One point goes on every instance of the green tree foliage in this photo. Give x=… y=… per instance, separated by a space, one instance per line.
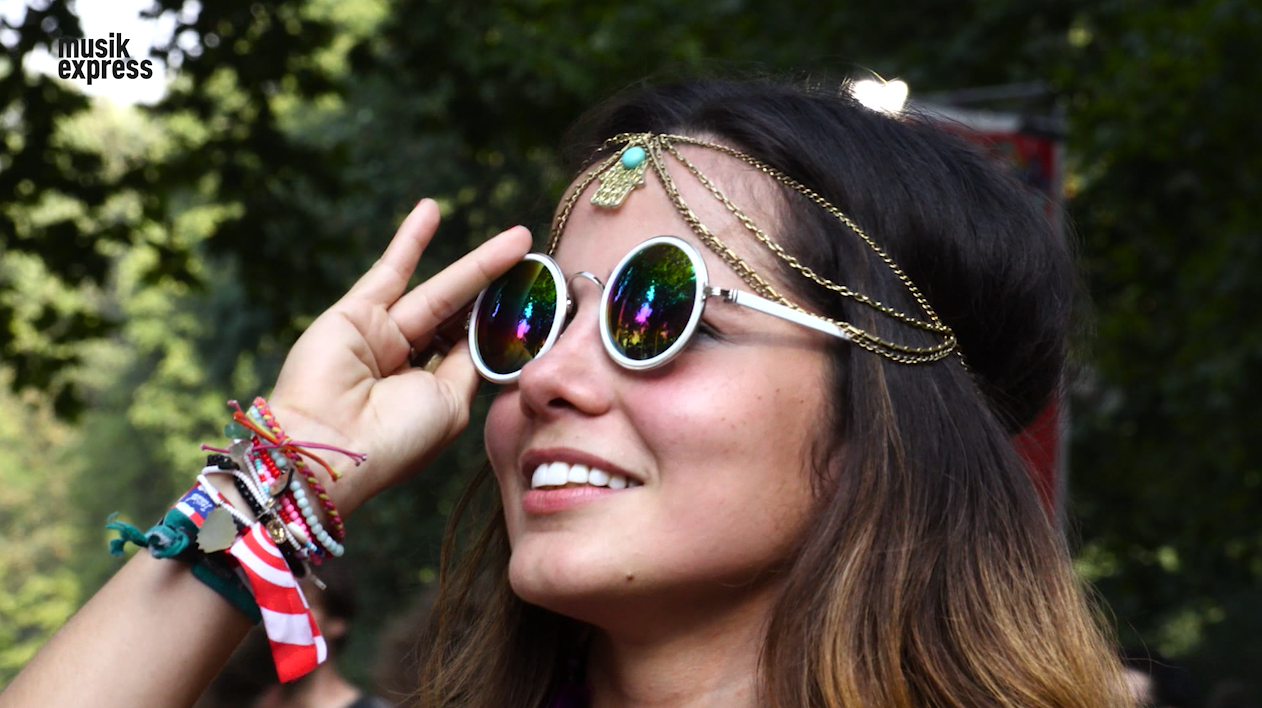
x=203 y=235
x=38 y=588
x=1170 y=176
x=33 y=169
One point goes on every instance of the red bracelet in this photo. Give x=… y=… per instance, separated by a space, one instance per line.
x=273 y=474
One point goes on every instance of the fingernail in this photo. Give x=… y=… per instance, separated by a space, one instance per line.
x=418 y=204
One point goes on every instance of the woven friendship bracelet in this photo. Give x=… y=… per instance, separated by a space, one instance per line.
x=337 y=528
x=294 y=499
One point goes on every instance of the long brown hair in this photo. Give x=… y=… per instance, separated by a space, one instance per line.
x=931 y=576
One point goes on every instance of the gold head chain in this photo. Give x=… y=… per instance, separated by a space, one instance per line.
x=624 y=170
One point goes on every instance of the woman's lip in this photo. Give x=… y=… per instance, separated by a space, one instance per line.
x=534 y=457
x=551 y=501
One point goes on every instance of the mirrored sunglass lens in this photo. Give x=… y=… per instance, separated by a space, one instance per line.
x=651 y=301
x=515 y=317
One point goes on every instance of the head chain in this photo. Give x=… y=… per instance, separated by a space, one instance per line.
x=657 y=144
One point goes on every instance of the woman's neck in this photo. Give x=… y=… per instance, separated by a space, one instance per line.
x=707 y=659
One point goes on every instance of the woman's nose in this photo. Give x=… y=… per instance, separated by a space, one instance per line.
x=575 y=375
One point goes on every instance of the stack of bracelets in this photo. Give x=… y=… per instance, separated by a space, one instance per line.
x=252 y=557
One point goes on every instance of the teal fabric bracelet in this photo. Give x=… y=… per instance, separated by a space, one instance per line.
x=170 y=538
x=173 y=539
x=225 y=582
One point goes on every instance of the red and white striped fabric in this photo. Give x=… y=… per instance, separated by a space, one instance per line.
x=297 y=646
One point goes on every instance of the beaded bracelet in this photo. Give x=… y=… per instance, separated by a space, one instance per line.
x=294 y=501
x=281 y=451
x=319 y=534
x=296 y=497
x=262 y=422
x=304 y=530
x=249 y=483
x=294 y=549
x=337 y=528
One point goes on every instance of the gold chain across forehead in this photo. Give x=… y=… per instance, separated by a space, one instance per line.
x=623 y=171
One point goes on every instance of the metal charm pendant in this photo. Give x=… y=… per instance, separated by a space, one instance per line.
x=218 y=532
x=276 y=529
x=617 y=181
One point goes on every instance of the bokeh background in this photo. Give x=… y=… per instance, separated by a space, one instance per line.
x=157 y=260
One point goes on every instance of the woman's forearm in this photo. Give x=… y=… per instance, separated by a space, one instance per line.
x=153 y=637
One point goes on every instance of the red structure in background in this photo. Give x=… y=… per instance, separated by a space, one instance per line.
x=1035 y=152
x=1040 y=445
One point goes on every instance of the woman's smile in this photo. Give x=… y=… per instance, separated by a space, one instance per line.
x=561 y=478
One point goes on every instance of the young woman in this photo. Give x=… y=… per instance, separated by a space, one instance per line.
x=752 y=445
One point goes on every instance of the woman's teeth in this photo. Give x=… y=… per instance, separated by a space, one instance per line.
x=560 y=474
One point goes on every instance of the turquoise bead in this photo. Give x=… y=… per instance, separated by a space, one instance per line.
x=236 y=431
x=633 y=157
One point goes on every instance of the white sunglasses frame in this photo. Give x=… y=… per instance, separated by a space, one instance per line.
x=704 y=291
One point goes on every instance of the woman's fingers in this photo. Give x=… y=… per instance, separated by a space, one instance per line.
x=388 y=277
x=420 y=311
x=458 y=370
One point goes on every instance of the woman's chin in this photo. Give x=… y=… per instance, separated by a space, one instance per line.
x=569 y=581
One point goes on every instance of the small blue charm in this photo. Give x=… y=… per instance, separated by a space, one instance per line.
x=633 y=157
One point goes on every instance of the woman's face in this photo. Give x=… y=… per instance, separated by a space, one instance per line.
x=718 y=440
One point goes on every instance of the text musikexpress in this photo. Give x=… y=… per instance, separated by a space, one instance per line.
x=93 y=59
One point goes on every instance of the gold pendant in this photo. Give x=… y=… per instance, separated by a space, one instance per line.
x=624 y=175
x=276 y=529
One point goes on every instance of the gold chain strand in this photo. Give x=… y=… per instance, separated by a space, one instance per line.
x=945 y=346
x=932 y=353
x=654 y=156
x=793 y=262
x=827 y=206
x=743 y=269
x=653 y=145
x=868 y=341
x=558 y=222
x=892 y=350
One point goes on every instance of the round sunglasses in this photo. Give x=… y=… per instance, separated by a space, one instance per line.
x=648 y=311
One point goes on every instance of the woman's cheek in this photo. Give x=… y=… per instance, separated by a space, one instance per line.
x=503 y=423
x=501 y=436
x=682 y=402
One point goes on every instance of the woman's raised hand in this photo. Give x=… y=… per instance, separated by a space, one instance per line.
x=348 y=382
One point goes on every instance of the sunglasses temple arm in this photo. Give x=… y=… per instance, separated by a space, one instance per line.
x=775 y=309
